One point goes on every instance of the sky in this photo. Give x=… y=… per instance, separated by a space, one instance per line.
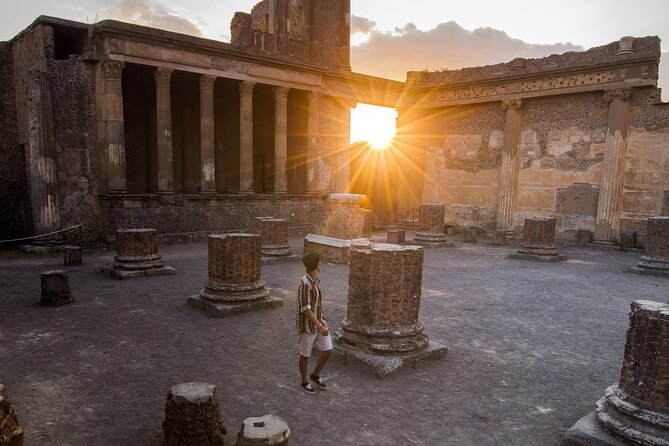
x=391 y=37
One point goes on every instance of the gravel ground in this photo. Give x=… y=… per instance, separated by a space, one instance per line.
x=532 y=346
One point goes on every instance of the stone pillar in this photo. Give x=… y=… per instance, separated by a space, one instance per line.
x=273 y=236
x=431 y=221
x=137 y=255
x=11 y=433
x=655 y=260
x=110 y=130
x=538 y=241
x=72 y=255
x=281 y=26
x=312 y=143
x=55 y=286
x=508 y=173
x=636 y=411
x=281 y=140
x=234 y=269
x=611 y=185
x=342 y=162
x=267 y=430
x=345 y=36
x=207 y=152
x=164 y=129
x=192 y=416
x=42 y=162
x=246 y=137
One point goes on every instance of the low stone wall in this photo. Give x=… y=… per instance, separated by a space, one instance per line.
x=192 y=217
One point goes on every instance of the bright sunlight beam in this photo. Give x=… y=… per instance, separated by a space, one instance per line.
x=373 y=124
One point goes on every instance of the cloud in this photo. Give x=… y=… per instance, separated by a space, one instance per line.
x=147 y=13
x=449 y=45
x=361 y=25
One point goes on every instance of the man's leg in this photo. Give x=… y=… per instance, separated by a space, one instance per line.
x=322 y=360
x=304 y=362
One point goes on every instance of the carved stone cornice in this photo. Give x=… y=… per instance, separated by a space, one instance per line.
x=618 y=94
x=111 y=69
x=513 y=104
x=281 y=94
x=246 y=88
x=207 y=82
x=163 y=76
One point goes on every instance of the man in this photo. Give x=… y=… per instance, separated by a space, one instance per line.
x=312 y=324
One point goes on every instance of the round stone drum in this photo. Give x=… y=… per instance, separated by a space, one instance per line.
x=137 y=249
x=273 y=236
x=431 y=220
x=656 y=255
x=384 y=300
x=234 y=269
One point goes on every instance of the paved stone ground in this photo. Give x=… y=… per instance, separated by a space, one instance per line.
x=532 y=346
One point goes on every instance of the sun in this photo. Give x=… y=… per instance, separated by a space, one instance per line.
x=373 y=124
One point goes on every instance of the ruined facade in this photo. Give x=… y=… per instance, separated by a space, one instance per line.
x=115 y=125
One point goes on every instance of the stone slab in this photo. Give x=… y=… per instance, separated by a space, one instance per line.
x=519 y=256
x=270 y=260
x=333 y=242
x=131 y=274
x=588 y=432
x=433 y=244
x=220 y=309
x=386 y=366
x=648 y=271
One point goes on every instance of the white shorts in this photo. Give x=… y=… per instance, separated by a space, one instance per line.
x=308 y=340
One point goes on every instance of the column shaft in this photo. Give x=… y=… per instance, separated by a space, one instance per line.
x=611 y=184
x=312 y=143
x=281 y=141
x=342 y=168
x=164 y=129
x=111 y=135
x=508 y=175
x=246 y=137
x=207 y=153
x=345 y=43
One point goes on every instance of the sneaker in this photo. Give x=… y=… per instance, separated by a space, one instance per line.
x=308 y=388
x=320 y=382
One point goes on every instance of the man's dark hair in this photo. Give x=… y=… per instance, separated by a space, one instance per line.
x=311 y=261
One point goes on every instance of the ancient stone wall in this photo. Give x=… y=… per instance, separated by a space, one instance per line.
x=15 y=212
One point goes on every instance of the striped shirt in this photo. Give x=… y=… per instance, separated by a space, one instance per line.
x=308 y=298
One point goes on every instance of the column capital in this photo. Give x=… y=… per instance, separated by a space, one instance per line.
x=246 y=88
x=618 y=94
x=111 y=69
x=514 y=104
x=281 y=94
x=207 y=82
x=163 y=76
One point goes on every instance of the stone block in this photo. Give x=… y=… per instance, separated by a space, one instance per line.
x=583 y=237
x=396 y=236
x=470 y=235
x=192 y=416
x=55 y=286
x=579 y=198
x=11 y=433
x=264 y=431
x=72 y=255
x=499 y=238
x=627 y=239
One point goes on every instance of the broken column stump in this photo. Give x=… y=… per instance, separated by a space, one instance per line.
x=234 y=284
x=396 y=236
x=499 y=238
x=11 y=433
x=273 y=236
x=260 y=431
x=137 y=255
x=72 y=255
x=655 y=261
x=627 y=239
x=636 y=410
x=55 y=286
x=470 y=235
x=538 y=241
x=583 y=237
x=192 y=416
x=431 y=223
x=381 y=332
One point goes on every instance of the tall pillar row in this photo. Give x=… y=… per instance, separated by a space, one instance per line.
x=611 y=184
x=508 y=176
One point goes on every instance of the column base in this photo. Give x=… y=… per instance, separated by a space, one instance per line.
x=220 y=309
x=131 y=274
x=588 y=432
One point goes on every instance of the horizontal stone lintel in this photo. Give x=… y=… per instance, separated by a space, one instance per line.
x=334 y=242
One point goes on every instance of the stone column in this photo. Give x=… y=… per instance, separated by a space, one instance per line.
x=342 y=168
x=246 y=137
x=345 y=42
x=207 y=153
x=273 y=236
x=42 y=163
x=508 y=174
x=110 y=131
x=164 y=129
x=137 y=255
x=312 y=143
x=611 y=184
x=192 y=415
x=431 y=220
x=538 y=241
x=655 y=261
x=55 y=288
x=281 y=140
